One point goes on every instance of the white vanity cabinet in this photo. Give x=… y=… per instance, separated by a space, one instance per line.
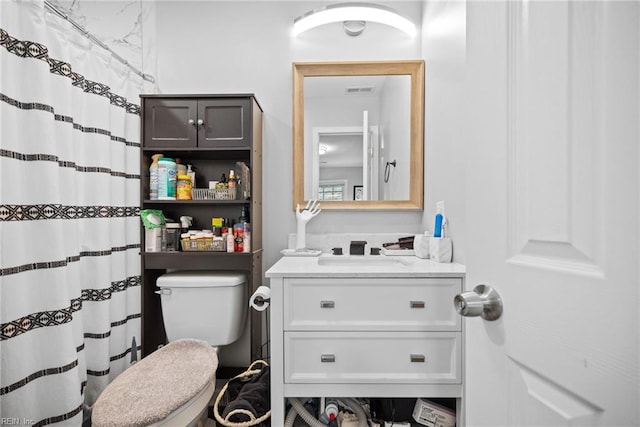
x=384 y=330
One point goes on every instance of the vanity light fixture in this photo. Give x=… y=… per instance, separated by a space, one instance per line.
x=354 y=17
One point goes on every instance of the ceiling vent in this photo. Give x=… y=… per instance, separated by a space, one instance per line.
x=364 y=90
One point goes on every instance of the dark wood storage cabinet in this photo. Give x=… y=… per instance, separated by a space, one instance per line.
x=199 y=123
x=212 y=133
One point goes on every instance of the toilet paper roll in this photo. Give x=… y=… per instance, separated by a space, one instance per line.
x=259 y=301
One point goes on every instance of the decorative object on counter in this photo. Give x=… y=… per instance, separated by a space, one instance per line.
x=337 y=251
x=421 y=245
x=153 y=176
x=440 y=249
x=303 y=217
x=375 y=251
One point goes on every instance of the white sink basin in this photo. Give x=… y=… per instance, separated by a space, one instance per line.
x=371 y=260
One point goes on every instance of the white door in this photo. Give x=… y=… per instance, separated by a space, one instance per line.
x=366 y=176
x=552 y=210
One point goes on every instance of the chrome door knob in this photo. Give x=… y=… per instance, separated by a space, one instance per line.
x=200 y=122
x=483 y=301
x=192 y=122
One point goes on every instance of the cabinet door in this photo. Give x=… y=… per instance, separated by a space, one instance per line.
x=226 y=123
x=170 y=123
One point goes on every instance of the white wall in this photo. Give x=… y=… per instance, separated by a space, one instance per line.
x=444 y=47
x=395 y=130
x=247 y=47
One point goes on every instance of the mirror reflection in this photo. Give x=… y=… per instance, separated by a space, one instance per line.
x=358 y=128
x=358 y=134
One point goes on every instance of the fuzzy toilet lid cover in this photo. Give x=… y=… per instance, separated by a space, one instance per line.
x=157 y=385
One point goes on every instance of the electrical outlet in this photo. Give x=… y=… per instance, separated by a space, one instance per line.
x=440 y=207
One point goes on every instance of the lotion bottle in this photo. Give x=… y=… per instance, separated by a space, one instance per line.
x=153 y=177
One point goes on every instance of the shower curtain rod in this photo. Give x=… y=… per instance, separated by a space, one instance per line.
x=93 y=38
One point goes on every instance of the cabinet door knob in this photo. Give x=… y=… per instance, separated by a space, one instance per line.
x=192 y=122
x=327 y=304
x=200 y=122
x=416 y=304
x=417 y=358
x=327 y=358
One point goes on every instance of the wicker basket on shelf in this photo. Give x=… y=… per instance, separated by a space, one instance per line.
x=213 y=194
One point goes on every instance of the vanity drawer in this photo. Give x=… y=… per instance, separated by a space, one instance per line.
x=372 y=357
x=371 y=304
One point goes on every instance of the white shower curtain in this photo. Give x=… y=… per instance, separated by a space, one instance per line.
x=69 y=225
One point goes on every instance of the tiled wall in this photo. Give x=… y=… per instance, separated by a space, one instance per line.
x=120 y=25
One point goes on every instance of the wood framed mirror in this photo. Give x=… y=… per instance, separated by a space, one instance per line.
x=358 y=134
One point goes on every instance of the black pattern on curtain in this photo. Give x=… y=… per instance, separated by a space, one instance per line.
x=69 y=218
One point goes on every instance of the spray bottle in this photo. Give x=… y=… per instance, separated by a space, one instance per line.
x=185 y=222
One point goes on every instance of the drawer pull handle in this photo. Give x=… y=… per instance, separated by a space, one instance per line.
x=327 y=304
x=417 y=304
x=327 y=358
x=417 y=358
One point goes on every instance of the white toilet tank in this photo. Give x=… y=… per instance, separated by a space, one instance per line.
x=206 y=305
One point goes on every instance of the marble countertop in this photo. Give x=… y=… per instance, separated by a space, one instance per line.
x=327 y=265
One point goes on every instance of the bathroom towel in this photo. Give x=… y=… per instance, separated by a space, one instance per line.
x=154 y=387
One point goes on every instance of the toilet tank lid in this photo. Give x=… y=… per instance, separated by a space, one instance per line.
x=200 y=279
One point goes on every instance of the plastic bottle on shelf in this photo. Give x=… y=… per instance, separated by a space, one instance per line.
x=230 y=239
x=244 y=215
x=192 y=175
x=246 y=243
x=153 y=176
x=238 y=231
x=231 y=181
x=183 y=187
x=166 y=179
x=181 y=169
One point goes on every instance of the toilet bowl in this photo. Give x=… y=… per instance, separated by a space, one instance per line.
x=174 y=385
